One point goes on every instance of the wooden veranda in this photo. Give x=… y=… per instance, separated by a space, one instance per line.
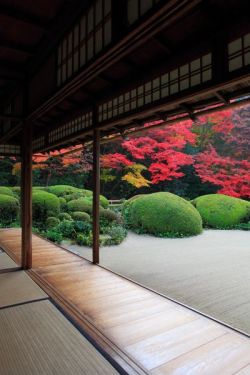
x=79 y=71
x=139 y=329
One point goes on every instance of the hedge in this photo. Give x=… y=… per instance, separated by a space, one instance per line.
x=80 y=216
x=164 y=214
x=222 y=211
x=62 y=190
x=9 y=209
x=64 y=216
x=81 y=204
x=52 y=222
x=44 y=205
x=6 y=191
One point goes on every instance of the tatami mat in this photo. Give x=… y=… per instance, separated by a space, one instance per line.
x=6 y=262
x=16 y=287
x=37 y=339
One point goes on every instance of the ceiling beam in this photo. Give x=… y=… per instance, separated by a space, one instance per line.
x=24 y=17
x=189 y=111
x=4 y=116
x=222 y=97
x=20 y=48
x=163 y=44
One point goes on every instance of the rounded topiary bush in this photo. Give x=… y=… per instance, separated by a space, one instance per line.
x=52 y=222
x=63 y=203
x=222 y=211
x=44 y=205
x=81 y=204
x=6 y=191
x=104 y=201
x=80 y=216
x=109 y=215
x=62 y=190
x=164 y=214
x=16 y=190
x=64 y=216
x=9 y=209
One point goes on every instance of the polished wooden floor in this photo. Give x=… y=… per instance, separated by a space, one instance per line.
x=147 y=332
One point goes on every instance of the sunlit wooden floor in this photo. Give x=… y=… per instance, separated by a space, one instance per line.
x=147 y=332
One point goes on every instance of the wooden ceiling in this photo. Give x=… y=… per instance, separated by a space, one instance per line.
x=30 y=30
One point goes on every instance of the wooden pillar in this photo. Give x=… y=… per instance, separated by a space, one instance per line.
x=26 y=194
x=96 y=195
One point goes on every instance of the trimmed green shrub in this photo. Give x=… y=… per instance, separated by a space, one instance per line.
x=6 y=191
x=221 y=211
x=80 y=216
x=109 y=215
x=44 y=205
x=62 y=190
x=87 y=193
x=81 y=204
x=64 y=216
x=163 y=214
x=54 y=236
x=117 y=235
x=52 y=222
x=83 y=227
x=9 y=209
x=63 y=203
x=104 y=202
x=243 y=226
x=16 y=190
x=67 y=229
x=84 y=240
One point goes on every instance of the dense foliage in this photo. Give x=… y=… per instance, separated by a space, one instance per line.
x=221 y=211
x=57 y=215
x=163 y=214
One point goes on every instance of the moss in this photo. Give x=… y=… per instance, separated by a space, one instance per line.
x=81 y=204
x=44 y=205
x=6 y=191
x=80 y=216
x=62 y=190
x=9 y=209
x=222 y=211
x=52 y=222
x=64 y=216
x=164 y=214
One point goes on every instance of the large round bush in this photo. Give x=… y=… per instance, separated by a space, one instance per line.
x=44 y=205
x=222 y=211
x=6 y=191
x=9 y=209
x=81 y=204
x=164 y=214
x=80 y=216
x=62 y=190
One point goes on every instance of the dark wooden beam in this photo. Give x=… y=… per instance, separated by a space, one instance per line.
x=222 y=97
x=17 y=47
x=96 y=195
x=24 y=17
x=5 y=116
x=163 y=44
x=26 y=193
x=189 y=111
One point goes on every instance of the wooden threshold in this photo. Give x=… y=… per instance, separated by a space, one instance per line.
x=139 y=331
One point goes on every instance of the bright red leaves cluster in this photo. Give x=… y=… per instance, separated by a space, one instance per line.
x=219 y=153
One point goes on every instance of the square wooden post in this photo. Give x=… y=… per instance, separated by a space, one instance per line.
x=96 y=196
x=26 y=196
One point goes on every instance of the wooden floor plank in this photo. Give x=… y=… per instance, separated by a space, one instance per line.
x=159 y=335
